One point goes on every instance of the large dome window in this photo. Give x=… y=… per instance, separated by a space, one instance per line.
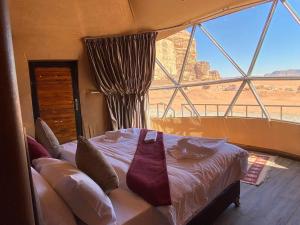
x=244 y=64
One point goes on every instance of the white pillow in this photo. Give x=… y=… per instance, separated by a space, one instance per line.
x=81 y=193
x=54 y=210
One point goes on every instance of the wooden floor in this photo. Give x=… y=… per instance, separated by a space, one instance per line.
x=274 y=202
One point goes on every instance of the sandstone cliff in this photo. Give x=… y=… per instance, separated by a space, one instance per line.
x=171 y=51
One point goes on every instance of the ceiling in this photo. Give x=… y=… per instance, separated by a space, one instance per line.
x=114 y=17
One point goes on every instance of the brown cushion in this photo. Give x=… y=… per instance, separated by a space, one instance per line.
x=93 y=162
x=46 y=137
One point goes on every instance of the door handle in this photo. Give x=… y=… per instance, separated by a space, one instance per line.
x=76 y=104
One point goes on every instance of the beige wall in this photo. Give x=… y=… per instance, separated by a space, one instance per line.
x=281 y=136
x=36 y=36
x=92 y=106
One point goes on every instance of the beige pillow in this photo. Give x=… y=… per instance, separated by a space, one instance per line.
x=91 y=161
x=84 y=197
x=47 y=138
x=54 y=211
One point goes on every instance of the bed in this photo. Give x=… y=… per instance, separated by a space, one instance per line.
x=200 y=188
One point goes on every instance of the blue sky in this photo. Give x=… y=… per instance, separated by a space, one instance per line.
x=238 y=33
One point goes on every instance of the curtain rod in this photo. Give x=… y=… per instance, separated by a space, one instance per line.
x=222 y=12
x=116 y=35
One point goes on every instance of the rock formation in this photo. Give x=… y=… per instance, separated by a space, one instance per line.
x=283 y=73
x=203 y=72
x=214 y=75
x=171 y=51
x=166 y=54
x=181 y=40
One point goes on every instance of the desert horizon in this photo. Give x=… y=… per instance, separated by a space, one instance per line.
x=284 y=93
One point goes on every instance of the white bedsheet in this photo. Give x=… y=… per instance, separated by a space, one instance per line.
x=130 y=209
x=193 y=182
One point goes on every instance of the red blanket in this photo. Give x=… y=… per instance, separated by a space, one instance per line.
x=147 y=175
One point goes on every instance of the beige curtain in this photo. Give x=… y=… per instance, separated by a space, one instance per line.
x=123 y=69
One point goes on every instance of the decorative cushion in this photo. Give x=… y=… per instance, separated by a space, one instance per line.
x=91 y=161
x=86 y=199
x=53 y=209
x=35 y=149
x=47 y=138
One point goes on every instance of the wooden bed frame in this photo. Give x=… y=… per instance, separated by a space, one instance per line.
x=207 y=216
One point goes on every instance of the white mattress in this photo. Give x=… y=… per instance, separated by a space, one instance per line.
x=193 y=183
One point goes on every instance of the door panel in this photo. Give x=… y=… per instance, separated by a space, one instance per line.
x=54 y=100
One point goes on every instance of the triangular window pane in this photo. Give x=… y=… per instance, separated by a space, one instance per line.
x=246 y=105
x=206 y=62
x=158 y=101
x=179 y=107
x=280 y=52
x=238 y=33
x=281 y=98
x=212 y=100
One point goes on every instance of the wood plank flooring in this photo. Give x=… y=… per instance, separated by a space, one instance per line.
x=274 y=202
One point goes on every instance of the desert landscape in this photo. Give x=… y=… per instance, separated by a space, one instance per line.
x=276 y=93
x=282 y=98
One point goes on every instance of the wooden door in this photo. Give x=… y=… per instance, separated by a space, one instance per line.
x=55 y=98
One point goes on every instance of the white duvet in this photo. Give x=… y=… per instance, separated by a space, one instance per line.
x=193 y=182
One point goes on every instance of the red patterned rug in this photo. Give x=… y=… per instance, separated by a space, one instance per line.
x=258 y=166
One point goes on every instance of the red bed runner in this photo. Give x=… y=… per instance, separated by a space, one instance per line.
x=147 y=175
